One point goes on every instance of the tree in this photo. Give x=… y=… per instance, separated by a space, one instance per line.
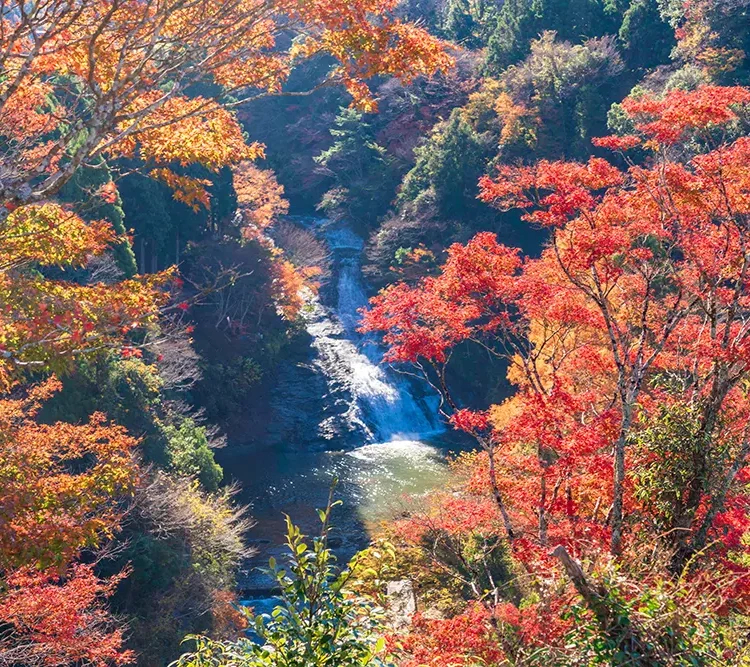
x=63 y=488
x=628 y=330
x=182 y=548
x=53 y=619
x=447 y=168
x=520 y=21
x=566 y=88
x=87 y=84
x=362 y=172
x=45 y=323
x=92 y=192
x=260 y=199
x=643 y=24
x=62 y=485
x=190 y=454
x=459 y=24
x=711 y=36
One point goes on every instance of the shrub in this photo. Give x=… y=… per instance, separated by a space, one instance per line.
x=190 y=454
x=225 y=387
x=184 y=546
x=315 y=623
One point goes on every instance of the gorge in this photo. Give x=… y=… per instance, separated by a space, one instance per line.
x=340 y=414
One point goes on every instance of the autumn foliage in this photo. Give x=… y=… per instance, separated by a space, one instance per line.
x=88 y=84
x=59 y=482
x=91 y=80
x=260 y=198
x=52 y=619
x=101 y=68
x=63 y=488
x=627 y=344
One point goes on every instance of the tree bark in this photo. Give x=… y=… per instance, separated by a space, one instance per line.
x=496 y=491
x=624 y=634
x=618 y=490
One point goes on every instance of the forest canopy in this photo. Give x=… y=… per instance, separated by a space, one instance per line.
x=547 y=205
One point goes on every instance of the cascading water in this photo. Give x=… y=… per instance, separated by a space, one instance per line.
x=338 y=413
x=382 y=404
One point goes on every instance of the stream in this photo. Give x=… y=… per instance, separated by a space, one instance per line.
x=339 y=414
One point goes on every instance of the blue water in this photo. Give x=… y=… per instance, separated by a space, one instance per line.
x=392 y=446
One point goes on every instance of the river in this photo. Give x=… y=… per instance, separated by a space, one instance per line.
x=342 y=414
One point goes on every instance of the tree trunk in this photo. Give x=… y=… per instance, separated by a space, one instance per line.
x=619 y=630
x=618 y=491
x=496 y=491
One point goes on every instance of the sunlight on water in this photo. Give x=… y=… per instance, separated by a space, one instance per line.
x=390 y=474
x=381 y=439
x=412 y=450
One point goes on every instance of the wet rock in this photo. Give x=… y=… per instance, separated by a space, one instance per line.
x=335 y=542
x=402 y=603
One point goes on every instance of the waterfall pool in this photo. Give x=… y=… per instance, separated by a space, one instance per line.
x=340 y=414
x=377 y=481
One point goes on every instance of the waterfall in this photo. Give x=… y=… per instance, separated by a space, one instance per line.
x=339 y=412
x=378 y=403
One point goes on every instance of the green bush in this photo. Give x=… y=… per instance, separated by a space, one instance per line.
x=184 y=547
x=225 y=388
x=316 y=622
x=190 y=454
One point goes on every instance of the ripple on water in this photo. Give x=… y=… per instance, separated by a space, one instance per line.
x=384 y=477
x=414 y=450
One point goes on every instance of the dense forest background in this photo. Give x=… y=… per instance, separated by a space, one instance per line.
x=530 y=80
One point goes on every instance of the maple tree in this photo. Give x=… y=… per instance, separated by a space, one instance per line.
x=52 y=619
x=461 y=641
x=626 y=340
x=260 y=198
x=63 y=488
x=60 y=482
x=95 y=80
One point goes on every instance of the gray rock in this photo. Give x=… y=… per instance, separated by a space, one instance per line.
x=402 y=603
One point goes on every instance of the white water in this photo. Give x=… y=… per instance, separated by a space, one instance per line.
x=382 y=403
x=375 y=433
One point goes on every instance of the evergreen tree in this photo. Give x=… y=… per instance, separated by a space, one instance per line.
x=513 y=30
x=362 y=173
x=460 y=24
x=448 y=167
x=82 y=190
x=520 y=21
x=647 y=40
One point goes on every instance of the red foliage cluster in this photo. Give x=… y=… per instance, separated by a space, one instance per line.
x=59 y=620
x=667 y=120
x=470 y=421
x=456 y=515
x=460 y=641
x=636 y=307
x=469 y=296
